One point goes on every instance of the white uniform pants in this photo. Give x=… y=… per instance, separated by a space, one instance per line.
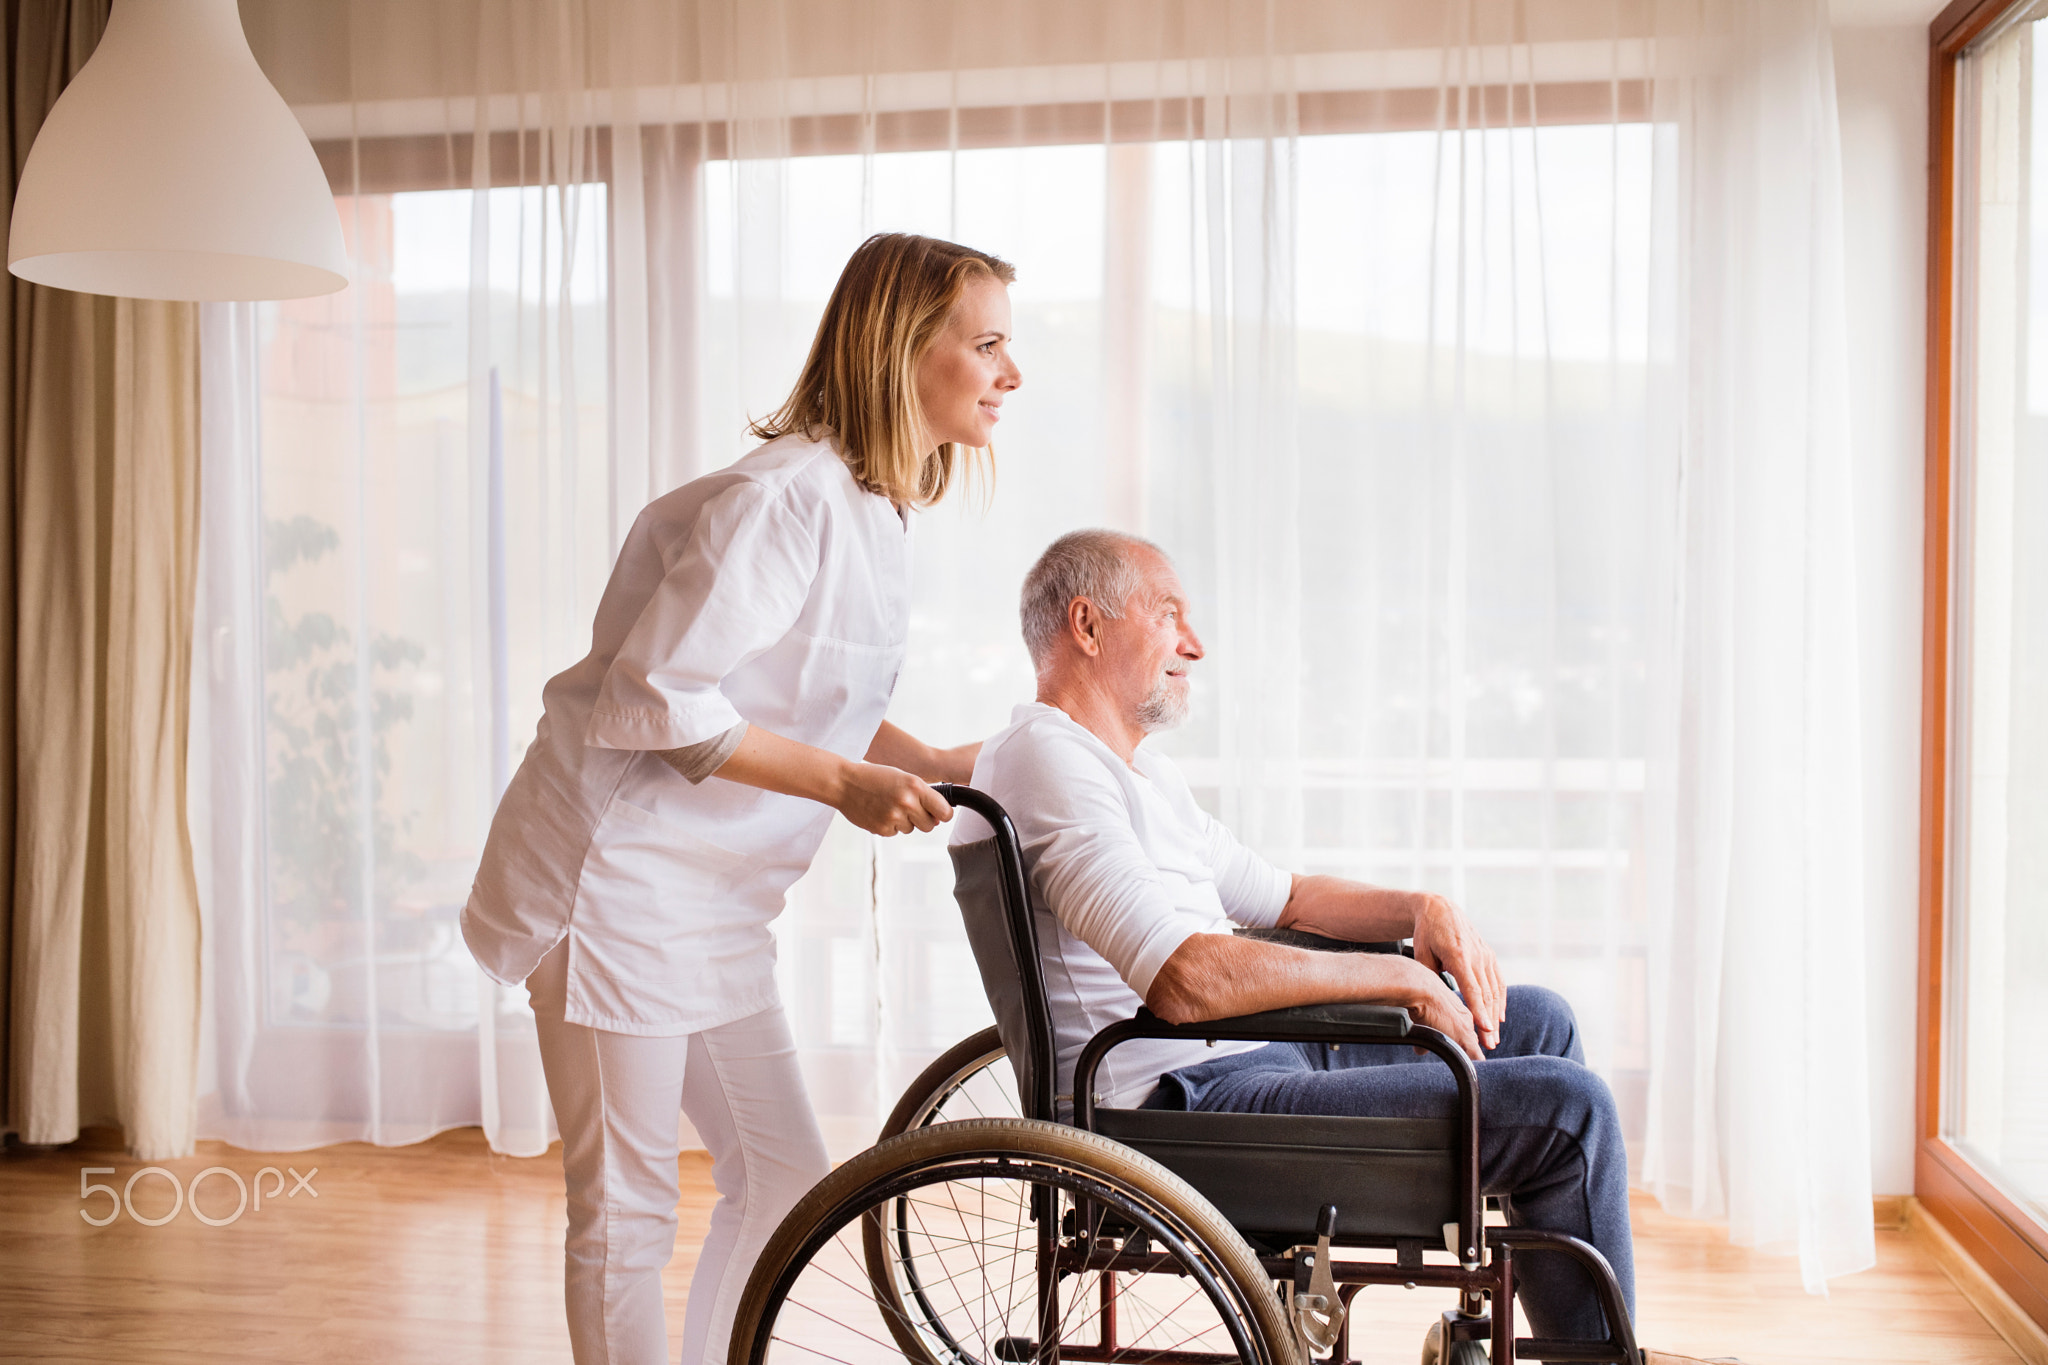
x=616 y=1099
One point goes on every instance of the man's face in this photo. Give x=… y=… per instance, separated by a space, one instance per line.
x=1147 y=652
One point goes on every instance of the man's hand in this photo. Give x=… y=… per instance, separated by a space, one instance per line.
x=1446 y=941
x=884 y=800
x=1433 y=1006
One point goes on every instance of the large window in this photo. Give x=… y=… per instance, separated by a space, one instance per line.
x=1467 y=707
x=1984 y=1150
x=1435 y=343
x=1995 y=1102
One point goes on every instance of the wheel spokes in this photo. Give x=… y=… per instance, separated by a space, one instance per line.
x=960 y=1275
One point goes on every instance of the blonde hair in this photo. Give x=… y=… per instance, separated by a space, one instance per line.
x=860 y=380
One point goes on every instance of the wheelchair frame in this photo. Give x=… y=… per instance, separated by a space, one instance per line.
x=1485 y=1269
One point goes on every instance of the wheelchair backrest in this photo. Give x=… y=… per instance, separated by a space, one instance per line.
x=988 y=882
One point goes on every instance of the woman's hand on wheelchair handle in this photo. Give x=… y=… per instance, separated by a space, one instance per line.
x=1445 y=940
x=880 y=797
x=885 y=801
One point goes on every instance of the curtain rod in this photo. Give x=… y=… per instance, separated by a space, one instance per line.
x=1575 y=62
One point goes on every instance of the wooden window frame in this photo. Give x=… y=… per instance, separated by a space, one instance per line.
x=2000 y=1236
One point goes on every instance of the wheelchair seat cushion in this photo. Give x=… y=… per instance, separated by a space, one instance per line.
x=1271 y=1174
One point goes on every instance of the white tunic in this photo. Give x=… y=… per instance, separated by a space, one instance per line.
x=1123 y=867
x=776 y=591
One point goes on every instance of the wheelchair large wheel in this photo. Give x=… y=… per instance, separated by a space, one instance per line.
x=970 y=1080
x=1133 y=1263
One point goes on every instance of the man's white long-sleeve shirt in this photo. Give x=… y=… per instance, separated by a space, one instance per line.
x=1123 y=867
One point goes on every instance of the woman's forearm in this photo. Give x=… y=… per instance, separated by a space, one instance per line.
x=771 y=762
x=879 y=797
x=899 y=749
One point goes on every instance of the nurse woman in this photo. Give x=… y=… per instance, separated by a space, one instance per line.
x=685 y=771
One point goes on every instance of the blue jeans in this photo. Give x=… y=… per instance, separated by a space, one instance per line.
x=1549 y=1139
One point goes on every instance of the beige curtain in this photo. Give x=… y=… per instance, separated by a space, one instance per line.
x=102 y=928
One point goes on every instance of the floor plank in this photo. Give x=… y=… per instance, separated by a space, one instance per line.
x=443 y=1252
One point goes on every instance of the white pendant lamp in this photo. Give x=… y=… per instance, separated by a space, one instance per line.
x=170 y=169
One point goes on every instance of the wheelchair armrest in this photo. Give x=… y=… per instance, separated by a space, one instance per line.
x=1342 y=1022
x=1322 y=943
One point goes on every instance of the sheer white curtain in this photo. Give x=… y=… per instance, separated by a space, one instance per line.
x=1759 y=1079
x=1473 y=359
x=409 y=506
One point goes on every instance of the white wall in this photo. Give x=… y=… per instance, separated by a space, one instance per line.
x=1881 y=89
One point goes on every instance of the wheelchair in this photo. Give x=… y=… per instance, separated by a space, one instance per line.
x=984 y=1227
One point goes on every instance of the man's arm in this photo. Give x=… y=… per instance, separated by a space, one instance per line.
x=1218 y=976
x=1338 y=908
x=1445 y=939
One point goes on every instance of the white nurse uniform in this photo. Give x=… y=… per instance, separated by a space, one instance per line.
x=637 y=905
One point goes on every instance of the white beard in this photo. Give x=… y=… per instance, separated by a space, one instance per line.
x=1165 y=707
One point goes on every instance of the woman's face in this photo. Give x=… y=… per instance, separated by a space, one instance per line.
x=963 y=378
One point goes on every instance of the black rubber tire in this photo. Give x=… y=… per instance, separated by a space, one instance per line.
x=944 y=1150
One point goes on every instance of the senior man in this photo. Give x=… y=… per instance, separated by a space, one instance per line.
x=1136 y=888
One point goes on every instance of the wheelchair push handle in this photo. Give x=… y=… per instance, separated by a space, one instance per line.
x=981 y=803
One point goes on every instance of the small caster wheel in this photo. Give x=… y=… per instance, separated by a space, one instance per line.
x=1460 y=1352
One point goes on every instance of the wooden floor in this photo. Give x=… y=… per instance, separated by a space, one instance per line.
x=443 y=1254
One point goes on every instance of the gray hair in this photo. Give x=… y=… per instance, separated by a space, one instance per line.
x=1095 y=564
